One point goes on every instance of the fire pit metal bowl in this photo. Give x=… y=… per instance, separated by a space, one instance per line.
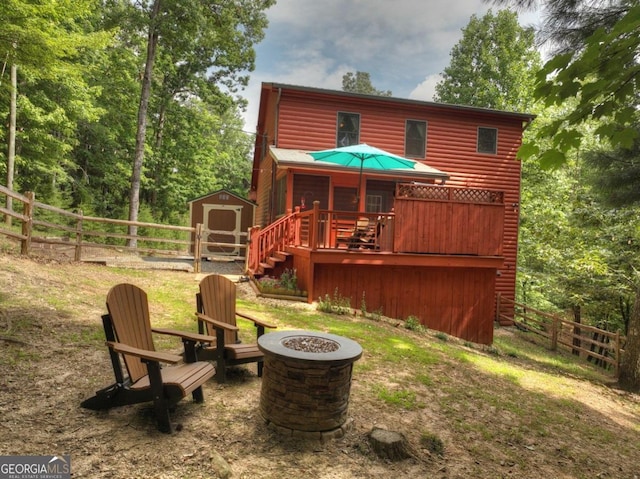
x=306 y=382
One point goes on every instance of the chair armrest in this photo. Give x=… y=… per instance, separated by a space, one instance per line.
x=144 y=353
x=216 y=324
x=199 y=338
x=257 y=322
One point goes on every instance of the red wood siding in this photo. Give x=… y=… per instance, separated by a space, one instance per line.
x=441 y=227
x=264 y=199
x=263 y=174
x=307 y=121
x=457 y=301
x=451 y=146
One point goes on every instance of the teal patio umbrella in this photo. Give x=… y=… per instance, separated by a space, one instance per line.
x=363 y=156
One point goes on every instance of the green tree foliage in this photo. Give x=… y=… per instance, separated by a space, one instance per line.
x=616 y=173
x=594 y=79
x=201 y=46
x=360 y=82
x=47 y=40
x=574 y=251
x=596 y=62
x=46 y=35
x=80 y=80
x=491 y=65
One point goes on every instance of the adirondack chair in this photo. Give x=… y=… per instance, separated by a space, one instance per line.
x=364 y=235
x=128 y=331
x=216 y=313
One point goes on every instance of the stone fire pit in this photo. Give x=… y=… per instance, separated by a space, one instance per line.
x=306 y=382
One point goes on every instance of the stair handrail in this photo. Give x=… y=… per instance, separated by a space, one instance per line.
x=264 y=242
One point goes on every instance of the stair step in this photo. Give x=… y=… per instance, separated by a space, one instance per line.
x=283 y=255
x=265 y=266
x=274 y=260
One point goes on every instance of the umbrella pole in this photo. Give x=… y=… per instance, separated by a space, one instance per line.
x=359 y=185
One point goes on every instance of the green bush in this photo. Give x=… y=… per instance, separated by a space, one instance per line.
x=336 y=304
x=442 y=336
x=287 y=284
x=289 y=280
x=412 y=323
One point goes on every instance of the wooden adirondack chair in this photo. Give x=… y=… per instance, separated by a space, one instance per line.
x=363 y=236
x=216 y=312
x=128 y=331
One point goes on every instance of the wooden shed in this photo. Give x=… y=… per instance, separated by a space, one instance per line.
x=226 y=219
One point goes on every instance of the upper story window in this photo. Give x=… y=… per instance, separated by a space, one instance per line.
x=487 y=140
x=348 y=130
x=415 y=138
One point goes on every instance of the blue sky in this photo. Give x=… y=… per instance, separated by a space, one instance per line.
x=403 y=44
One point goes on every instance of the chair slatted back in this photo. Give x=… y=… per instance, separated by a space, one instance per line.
x=362 y=224
x=129 y=310
x=218 y=295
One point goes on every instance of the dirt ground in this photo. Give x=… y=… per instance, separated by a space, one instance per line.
x=44 y=379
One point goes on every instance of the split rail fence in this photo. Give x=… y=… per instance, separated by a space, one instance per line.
x=598 y=346
x=42 y=225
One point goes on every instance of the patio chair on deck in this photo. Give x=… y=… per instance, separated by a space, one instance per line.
x=216 y=312
x=128 y=331
x=364 y=235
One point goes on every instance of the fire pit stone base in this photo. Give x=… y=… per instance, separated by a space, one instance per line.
x=305 y=390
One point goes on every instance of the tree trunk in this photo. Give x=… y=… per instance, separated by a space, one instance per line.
x=630 y=366
x=11 y=151
x=157 y=150
x=389 y=444
x=134 y=197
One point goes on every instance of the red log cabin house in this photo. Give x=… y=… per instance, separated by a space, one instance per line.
x=436 y=242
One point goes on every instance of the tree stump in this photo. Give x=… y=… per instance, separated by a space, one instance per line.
x=389 y=444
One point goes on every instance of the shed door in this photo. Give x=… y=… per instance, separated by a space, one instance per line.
x=223 y=227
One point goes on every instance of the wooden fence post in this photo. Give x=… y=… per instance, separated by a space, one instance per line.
x=197 y=249
x=78 y=248
x=27 y=225
x=554 y=334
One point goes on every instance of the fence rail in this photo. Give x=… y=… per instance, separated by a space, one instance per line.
x=48 y=225
x=602 y=347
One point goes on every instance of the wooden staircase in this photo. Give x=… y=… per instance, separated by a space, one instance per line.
x=275 y=265
x=267 y=256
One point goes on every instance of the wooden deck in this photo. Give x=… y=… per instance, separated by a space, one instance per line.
x=449 y=293
x=436 y=257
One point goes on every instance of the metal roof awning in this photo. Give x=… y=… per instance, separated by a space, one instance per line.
x=288 y=158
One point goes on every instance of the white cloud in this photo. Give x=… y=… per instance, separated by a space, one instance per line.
x=400 y=43
x=425 y=90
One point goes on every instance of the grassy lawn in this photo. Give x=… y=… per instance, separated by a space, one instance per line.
x=512 y=409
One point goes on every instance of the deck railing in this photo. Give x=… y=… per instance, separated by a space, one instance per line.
x=264 y=242
x=318 y=229
x=427 y=219
x=328 y=229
